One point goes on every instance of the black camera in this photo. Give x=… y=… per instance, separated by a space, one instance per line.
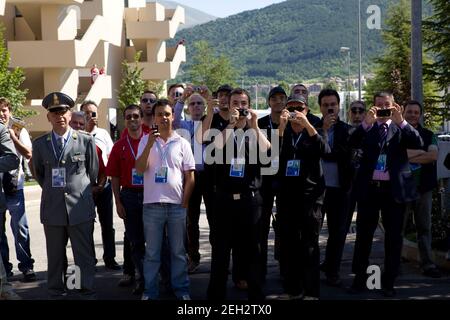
x=154 y=128
x=384 y=113
x=243 y=113
x=330 y=111
x=94 y=115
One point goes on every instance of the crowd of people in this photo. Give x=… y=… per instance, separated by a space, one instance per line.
x=381 y=163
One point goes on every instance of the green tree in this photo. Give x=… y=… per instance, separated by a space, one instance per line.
x=437 y=37
x=10 y=82
x=156 y=86
x=132 y=85
x=393 y=67
x=209 y=69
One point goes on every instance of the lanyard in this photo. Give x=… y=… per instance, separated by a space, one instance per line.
x=131 y=148
x=66 y=142
x=163 y=155
x=240 y=146
x=295 y=143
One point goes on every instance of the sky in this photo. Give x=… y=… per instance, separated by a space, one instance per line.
x=224 y=8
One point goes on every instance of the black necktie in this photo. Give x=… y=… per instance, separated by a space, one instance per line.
x=383 y=130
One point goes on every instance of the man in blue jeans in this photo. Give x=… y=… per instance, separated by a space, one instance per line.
x=167 y=163
x=13 y=183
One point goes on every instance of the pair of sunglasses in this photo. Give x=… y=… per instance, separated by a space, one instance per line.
x=292 y=109
x=133 y=116
x=148 y=101
x=358 y=110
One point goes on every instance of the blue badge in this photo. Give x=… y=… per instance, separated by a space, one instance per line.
x=161 y=175
x=293 y=168
x=136 y=178
x=237 y=168
x=381 y=163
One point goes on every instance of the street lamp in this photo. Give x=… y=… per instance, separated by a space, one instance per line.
x=347 y=50
x=359 y=52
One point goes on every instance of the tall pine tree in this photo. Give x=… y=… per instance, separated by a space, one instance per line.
x=393 y=68
x=437 y=37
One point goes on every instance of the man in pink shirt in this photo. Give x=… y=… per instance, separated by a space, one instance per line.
x=167 y=163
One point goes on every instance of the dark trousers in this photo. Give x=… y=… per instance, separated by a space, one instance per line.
x=336 y=210
x=378 y=199
x=128 y=265
x=236 y=225
x=351 y=209
x=269 y=192
x=193 y=215
x=104 y=203
x=299 y=224
x=134 y=227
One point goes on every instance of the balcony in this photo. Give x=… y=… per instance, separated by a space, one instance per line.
x=164 y=70
x=139 y=29
x=58 y=53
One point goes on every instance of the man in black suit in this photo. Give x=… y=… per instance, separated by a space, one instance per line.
x=337 y=172
x=384 y=183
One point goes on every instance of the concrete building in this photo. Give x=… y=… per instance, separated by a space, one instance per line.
x=57 y=42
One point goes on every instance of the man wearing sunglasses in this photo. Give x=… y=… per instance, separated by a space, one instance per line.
x=128 y=190
x=147 y=102
x=300 y=90
x=356 y=113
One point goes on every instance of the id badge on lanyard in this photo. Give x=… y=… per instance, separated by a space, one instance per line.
x=136 y=178
x=161 y=173
x=237 y=168
x=293 y=168
x=58 y=177
x=381 y=163
x=59 y=173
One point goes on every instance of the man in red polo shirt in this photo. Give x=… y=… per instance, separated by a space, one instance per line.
x=127 y=188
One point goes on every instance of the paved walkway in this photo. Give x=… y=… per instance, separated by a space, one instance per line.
x=410 y=285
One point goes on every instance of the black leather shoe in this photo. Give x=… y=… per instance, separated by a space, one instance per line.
x=29 y=276
x=139 y=289
x=112 y=265
x=432 y=272
x=334 y=281
x=389 y=292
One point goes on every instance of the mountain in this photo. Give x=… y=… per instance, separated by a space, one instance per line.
x=295 y=39
x=193 y=16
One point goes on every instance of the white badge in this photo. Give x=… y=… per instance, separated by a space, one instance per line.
x=136 y=178
x=161 y=175
x=237 y=168
x=293 y=168
x=58 y=177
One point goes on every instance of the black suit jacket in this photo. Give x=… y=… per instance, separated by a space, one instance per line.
x=340 y=152
x=397 y=142
x=309 y=150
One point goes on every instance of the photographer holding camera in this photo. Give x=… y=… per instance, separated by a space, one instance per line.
x=236 y=218
x=384 y=183
x=302 y=190
x=13 y=184
x=337 y=172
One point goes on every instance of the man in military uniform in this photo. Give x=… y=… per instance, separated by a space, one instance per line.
x=65 y=164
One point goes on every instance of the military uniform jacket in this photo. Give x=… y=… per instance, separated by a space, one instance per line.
x=72 y=204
